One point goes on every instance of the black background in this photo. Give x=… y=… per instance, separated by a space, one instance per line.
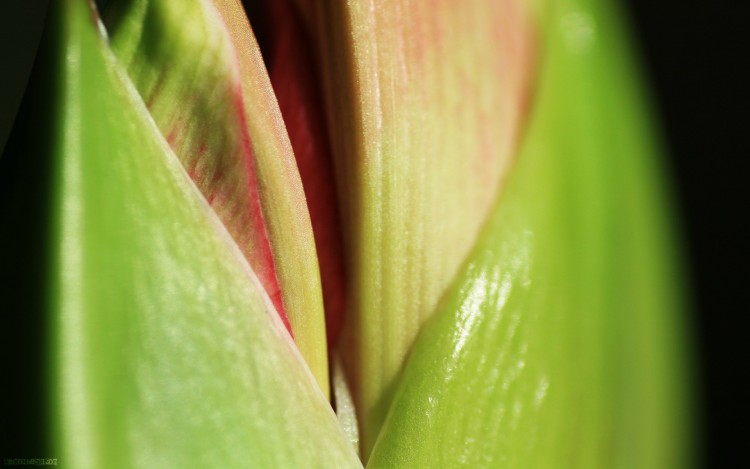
x=694 y=55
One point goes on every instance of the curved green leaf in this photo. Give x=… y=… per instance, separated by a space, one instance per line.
x=561 y=342
x=426 y=100
x=282 y=196
x=166 y=351
x=292 y=66
x=210 y=94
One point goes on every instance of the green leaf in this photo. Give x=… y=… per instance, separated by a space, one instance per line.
x=426 y=101
x=209 y=92
x=165 y=349
x=561 y=343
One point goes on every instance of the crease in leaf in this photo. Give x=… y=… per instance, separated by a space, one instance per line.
x=191 y=74
x=561 y=343
x=166 y=350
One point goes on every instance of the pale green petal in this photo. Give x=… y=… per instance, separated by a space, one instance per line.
x=561 y=343
x=426 y=100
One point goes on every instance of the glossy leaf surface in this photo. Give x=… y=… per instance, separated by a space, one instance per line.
x=560 y=344
x=166 y=350
x=211 y=97
x=425 y=103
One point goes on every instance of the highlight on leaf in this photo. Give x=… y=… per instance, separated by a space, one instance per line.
x=426 y=102
x=327 y=234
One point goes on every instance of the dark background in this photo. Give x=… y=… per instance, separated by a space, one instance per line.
x=694 y=54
